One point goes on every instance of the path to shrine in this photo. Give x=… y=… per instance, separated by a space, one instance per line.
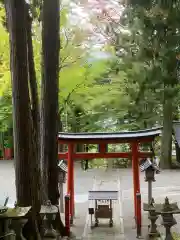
x=167 y=184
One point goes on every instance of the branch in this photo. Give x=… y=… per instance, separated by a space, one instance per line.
x=69 y=63
x=67 y=39
x=67 y=100
x=64 y=59
x=61 y=6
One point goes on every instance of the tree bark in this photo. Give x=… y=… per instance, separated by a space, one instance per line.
x=20 y=96
x=166 y=143
x=25 y=150
x=32 y=78
x=50 y=83
x=49 y=94
x=35 y=164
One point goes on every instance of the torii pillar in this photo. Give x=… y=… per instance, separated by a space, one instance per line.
x=70 y=179
x=136 y=181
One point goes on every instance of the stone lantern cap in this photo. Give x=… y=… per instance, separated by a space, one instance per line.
x=48 y=208
x=160 y=208
x=167 y=208
x=152 y=206
x=147 y=164
x=62 y=166
x=14 y=213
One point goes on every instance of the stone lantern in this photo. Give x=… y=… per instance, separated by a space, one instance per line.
x=12 y=221
x=49 y=212
x=149 y=167
x=149 y=177
x=152 y=216
x=168 y=220
x=62 y=167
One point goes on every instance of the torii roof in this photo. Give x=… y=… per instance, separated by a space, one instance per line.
x=128 y=135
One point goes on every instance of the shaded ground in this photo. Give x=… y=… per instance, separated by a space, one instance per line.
x=7 y=181
x=167 y=184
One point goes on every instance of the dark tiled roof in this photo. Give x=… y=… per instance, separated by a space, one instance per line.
x=117 y=135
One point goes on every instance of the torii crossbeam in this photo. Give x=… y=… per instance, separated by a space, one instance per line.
x=133 y=138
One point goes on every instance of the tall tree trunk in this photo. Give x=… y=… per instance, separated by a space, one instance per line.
x=50 y=83
x=25 y=152
x=35 y=112
x=32 y=78
x=166 y=143
x=20 y=96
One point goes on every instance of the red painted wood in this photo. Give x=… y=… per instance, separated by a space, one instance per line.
x=70 y=180
x=62 y=156
x=102 y=148
x=72 y=190
x=106 y=141
x=135 y=167
x=8 y=153
x=70 y=156
x=103 y=155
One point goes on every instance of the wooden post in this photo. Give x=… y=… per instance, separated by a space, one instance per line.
x=70 y=179
x=135 y=168
x=103 y=148
x=67 y=214
x=138 y=220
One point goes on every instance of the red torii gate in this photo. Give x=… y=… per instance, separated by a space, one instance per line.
x=134 y=138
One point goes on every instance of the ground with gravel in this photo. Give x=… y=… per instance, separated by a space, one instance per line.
x=167 y=184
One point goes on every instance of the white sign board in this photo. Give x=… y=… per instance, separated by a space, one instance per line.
x=103 y=195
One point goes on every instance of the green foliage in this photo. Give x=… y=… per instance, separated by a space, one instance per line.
x=78 y=77
x=125 y=92
x=4 y=56
x=5 y=112
x=5 y=86
x=148 y=58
